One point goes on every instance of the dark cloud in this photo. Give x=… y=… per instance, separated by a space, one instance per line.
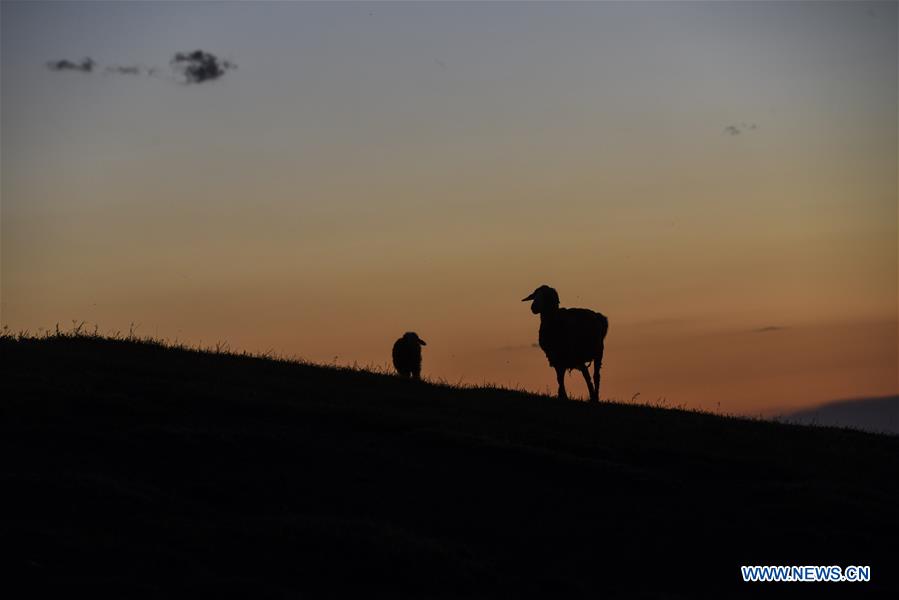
x=769 y=328
x=199 y=66
x=85 y=66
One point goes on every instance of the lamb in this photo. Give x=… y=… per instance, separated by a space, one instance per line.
x=407 y=355
x=571 y=338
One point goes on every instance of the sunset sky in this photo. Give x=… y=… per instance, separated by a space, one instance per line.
x=719 y=179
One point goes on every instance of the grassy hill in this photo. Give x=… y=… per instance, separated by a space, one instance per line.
x=144 y=471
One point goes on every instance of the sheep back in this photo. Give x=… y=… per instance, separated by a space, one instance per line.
x=572 y=337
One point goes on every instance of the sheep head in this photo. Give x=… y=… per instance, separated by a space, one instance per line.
x=544 y=299
x=411 y=336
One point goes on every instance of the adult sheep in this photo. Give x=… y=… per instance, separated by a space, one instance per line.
x=571 y=338
x=407 y=355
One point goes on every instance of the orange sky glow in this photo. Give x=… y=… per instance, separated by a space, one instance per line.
x=419 y=166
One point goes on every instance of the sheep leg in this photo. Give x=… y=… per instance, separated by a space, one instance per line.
x=597 y=365
x=586 y=375
x=560 y=376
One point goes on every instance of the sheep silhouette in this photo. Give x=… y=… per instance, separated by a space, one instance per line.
x=571 y=338
x=407 y=355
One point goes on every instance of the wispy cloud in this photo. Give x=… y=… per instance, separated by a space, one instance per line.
x=129 y=70
x=517 y=347
x=738 y=128
x=198 y=66
x=769 y=328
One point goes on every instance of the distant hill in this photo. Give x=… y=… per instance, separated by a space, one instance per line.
x=135 y=470
x=879 y=415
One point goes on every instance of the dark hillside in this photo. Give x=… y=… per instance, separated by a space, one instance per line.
x=139 y=470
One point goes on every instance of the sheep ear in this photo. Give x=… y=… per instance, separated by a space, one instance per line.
x=422 y=342
x=531 y=297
